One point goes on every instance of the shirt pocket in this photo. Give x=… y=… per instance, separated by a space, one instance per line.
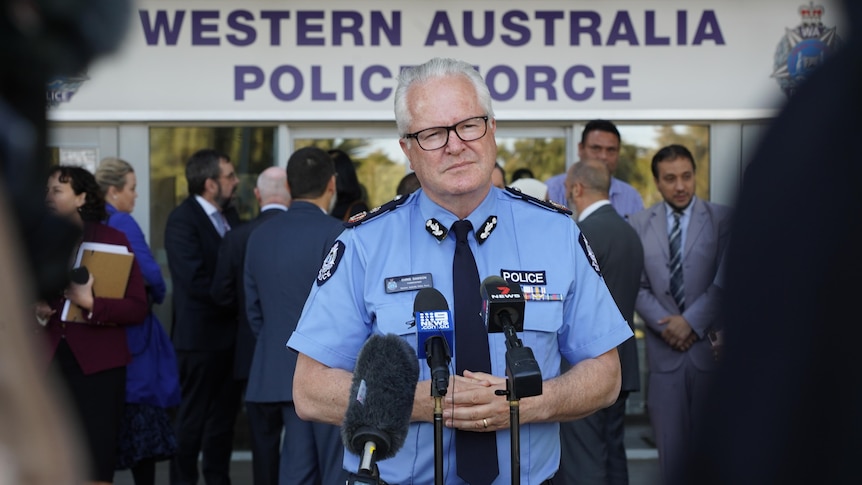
x=397 y=318
x=542 y=321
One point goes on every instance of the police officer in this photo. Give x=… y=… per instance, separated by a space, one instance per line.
x=443 y=110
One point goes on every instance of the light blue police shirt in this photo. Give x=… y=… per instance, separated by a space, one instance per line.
x=571 y=315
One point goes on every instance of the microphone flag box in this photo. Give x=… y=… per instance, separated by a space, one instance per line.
x=433 y=323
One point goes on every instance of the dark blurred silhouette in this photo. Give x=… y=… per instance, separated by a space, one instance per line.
x=786 y=406
x=350 y=196
x=522 y=173
x=44 y=40
x=41 y=39
x=408 y=184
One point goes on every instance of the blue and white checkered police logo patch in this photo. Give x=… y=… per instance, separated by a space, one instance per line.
x=330 y=264
x=591 y=256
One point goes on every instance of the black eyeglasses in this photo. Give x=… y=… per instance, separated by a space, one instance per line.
x=437 y=137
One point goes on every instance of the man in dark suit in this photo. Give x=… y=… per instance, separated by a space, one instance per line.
x=283 y=257
x=227 y=289
x=678 y=300
x=593 y=451
x=203 y=331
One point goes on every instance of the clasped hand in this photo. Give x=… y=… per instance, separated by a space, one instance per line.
x=678 y=333
x=81 y=295
x=472 y=403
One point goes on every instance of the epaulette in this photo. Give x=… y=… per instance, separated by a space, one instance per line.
x=549 y=205
x=366 y=216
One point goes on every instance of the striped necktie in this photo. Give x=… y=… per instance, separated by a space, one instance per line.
x=677 y=289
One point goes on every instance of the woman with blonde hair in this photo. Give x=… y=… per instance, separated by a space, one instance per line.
x=152 y=381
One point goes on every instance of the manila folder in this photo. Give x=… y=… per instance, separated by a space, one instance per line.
x=110 y=272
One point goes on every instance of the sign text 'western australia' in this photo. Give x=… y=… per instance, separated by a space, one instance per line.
x=303 y=34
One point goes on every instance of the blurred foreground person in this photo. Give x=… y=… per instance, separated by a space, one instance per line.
x=786 y=406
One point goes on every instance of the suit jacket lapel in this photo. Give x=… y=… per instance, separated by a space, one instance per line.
x=202 y=214
x=695 y=226
x=658 y=224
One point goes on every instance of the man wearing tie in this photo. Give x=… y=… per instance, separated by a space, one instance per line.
x=203 y=332
x=683 y=239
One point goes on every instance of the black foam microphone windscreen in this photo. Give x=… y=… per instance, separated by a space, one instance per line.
x=381 y=396
x=79 y=275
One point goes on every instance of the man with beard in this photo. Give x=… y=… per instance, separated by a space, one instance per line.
x=203 y=332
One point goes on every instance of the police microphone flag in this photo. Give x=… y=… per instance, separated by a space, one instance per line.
x=503 y=310
x=434 y=336
x=502 y=305
x=381 y=401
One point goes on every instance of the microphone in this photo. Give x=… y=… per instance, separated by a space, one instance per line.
x=503 y=310
x=79 y=275
x=434 y=336
x=502 y=305
x=381 y=401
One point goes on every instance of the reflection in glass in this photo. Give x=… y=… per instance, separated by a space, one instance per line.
x=251 y=150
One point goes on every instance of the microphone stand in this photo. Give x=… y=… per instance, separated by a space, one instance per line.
x=438 y=360
x=523 y=379
x=438 y=434
x=368 y=473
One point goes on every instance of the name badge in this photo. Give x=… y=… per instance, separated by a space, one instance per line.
x=396 y=284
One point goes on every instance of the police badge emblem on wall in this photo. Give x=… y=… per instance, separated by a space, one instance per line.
x=61 y=89
x=803 y=48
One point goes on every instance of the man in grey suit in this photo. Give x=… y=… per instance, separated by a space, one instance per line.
x=593 y=451
x=679 y=301
x=283 y=257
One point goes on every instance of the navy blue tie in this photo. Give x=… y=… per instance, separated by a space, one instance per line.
x=475 y=452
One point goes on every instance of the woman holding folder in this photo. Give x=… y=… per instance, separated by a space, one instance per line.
x=152 y=378
x=90 y=353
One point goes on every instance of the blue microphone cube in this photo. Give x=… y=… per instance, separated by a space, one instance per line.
x=433 y=323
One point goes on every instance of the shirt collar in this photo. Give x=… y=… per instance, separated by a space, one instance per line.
x=207 y=207
x=267 y=207
x=683 y=213
x=592 y=208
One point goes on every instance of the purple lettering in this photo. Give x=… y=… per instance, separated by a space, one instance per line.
x=510 y=22
x=305 y=26
x=317 y=85
x=591 y=28
x=549 y=16
x=532 y=83
x=241 y=82
x=708 y=29
x=199 y=27
x=569 y=83
x=469 y=30
x=160 y=25
x=275 y=83
x=651 y=38
x=346 y=22
x=441 y=29
x=622 y=29
x=233 y=21
x=681 y=27
x=275 y=17
x=365 y=83
x=348 y=83
x=379 y=26
x=507 y=72
x=610 y=81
